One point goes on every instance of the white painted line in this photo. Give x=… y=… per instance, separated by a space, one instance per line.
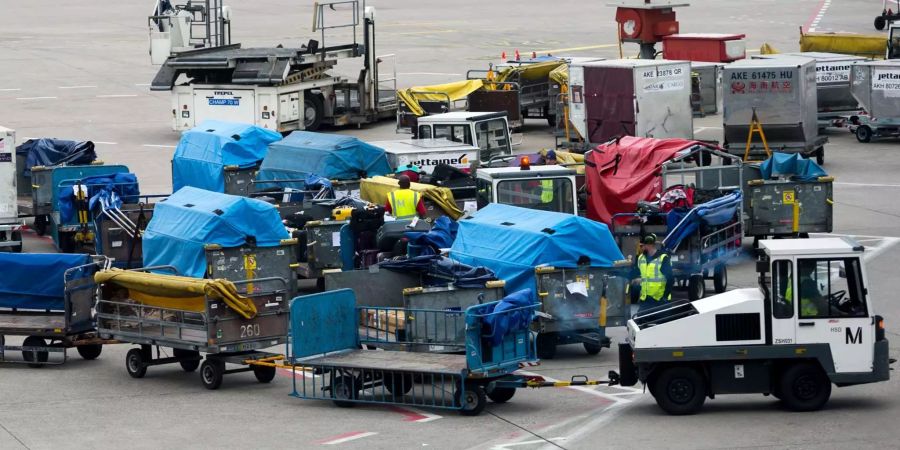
x=77 y=87
x=431 y=73
x=350 y=437
x=536 y=441
x=158 y=146
x=10 y=90
x=411 y=413
x=585 y=389
x=819 y=15
x=699 y=129
x=105 y=143
x=142 y=84
x=868 y=184
x=34 y=98
x=888 y=243
x=116 y=95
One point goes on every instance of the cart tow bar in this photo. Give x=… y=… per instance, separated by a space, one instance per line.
x=538 y=381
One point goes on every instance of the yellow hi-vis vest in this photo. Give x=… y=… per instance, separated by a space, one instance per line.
x=546 y=191
x=653 y=283
x=808 y=308
x=403 y=203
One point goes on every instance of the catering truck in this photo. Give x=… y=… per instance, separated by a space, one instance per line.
x=811 y=324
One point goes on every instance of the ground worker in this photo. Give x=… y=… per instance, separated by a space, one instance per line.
x=404 y=203
x=810 y=295
x=653 y=271
x=549 y=159
x=412 y=171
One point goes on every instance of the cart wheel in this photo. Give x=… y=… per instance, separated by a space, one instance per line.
x=212 y=371
x=720 y=278
x=820 y=156
x=696 y=287
x=472 y=402
x=551 y=120
x=680 y=390
x=90 y=351
x=546 y=345
x=344 y=390
x=188 y=365
x=135 y=364
x=863 y=133
x=500 y=394
x=313 y=109
x=399 y=383
x=40 y=225
x=880 y=22
x=264 y=374
x=17 y=236
x=804 y=387
x=592 y=349
x=35 y=358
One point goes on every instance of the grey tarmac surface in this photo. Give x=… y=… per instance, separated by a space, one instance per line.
x=80 y=70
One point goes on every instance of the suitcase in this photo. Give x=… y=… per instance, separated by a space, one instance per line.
x=391 y=232
x=366 y=258
x=367 y=219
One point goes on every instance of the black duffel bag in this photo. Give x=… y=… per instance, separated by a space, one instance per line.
x=370 y=218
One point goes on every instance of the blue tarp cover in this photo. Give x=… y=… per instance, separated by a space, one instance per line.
x=512 y=241
x=192 y=218
x=35 y=280
x=49 y=152
x=502 y=324
x=114 y=186
x=793 y=165
x=715 y=212
x=205 y=150
x=332 y=156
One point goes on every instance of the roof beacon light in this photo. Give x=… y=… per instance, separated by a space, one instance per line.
x=525 y=163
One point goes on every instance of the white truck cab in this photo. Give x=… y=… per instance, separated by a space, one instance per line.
x=487 y=131
x=893 y=43
x=810 y=324
x=547 y=188
x=427 y=154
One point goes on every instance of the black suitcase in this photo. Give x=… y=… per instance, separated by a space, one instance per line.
x=391 y=232
x=367 y=219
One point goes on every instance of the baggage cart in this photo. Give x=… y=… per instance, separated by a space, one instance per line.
x=442 y=333
x=323 y=247
x=50 y=332
x=781 y=93
x=633 y=97
x=45 y=182
x=10 y=224
x=216 y=329
x=373 y=286
x=238 y=180
x=249 y=262
x=788 y=208
x=876 y=85
x=329 y=363
x=577 y=305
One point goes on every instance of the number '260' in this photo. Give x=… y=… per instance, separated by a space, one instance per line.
x=250 y=330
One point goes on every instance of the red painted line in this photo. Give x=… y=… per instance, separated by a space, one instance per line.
x=813 y=17
x=408 y=416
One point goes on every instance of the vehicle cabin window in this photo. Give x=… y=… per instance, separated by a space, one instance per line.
x=553 y=194
x=782 y=277
x=483 y=192
x=492 y=138
x=424 y=132
x=455 y=133
x=831 y=288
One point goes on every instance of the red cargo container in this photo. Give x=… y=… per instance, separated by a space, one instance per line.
x=710 y=47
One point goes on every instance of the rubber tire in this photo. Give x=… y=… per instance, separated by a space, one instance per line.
x=35 y=359
x=134 y=363
x=501 y=394
x=696 y=287
x=592 y=349
x=475 y=400
x=705 y=159
x=551 y=120
x=212 y=372
x=811 y=376
x=344 y=384
x=264 y=374
x=317 y=103
x=720 y=278
x=90 y=352
x=880 y=22
x=864 y=134
x=40 y=225
x=17 y=236
x=399 y=384
x=688 y=382
x=189 y=365
x=546 y=345
x=820 y=156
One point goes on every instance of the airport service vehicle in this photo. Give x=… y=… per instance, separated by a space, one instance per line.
x=876 y=85
x=527 y=187
x=10 y=226
x=767 y=340
x=278 y=88
x=487 y=131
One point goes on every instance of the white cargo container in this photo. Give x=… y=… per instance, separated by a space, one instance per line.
x=876 y=85
x=10 y=226
x=429 y=153
x=634 y=97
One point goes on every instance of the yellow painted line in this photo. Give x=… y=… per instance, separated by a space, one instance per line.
x=575 y=49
